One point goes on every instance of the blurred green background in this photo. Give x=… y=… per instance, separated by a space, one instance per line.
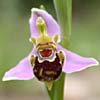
x=14 y=45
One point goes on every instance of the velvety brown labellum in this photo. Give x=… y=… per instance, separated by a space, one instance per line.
x=47 y=71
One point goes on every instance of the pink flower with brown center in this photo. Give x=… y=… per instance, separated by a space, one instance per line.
x=48 y=59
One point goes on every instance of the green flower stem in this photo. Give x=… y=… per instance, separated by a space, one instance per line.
x=57 y=90
x=64 y=16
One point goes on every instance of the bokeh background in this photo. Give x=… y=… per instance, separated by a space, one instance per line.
x=14 y=45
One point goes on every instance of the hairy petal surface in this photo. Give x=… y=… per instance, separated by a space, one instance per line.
x=22 y=71
x=74 y=62
x=52 y=26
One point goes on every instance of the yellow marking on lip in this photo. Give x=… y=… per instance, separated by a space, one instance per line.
x=32 y=60
x=41 y=70
x=46 y=45
x=61 y=57
x=50 y=72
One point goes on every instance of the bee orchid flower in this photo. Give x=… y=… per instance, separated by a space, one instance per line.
x=48 y=59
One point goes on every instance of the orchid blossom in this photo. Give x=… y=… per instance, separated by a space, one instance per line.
x=48 y=59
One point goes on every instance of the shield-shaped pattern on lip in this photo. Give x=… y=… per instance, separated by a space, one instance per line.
x=72 y=62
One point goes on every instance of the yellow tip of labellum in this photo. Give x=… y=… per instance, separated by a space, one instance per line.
x=49 y=85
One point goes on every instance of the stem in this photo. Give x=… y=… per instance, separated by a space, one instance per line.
x=58 y=89
x=64 y=16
